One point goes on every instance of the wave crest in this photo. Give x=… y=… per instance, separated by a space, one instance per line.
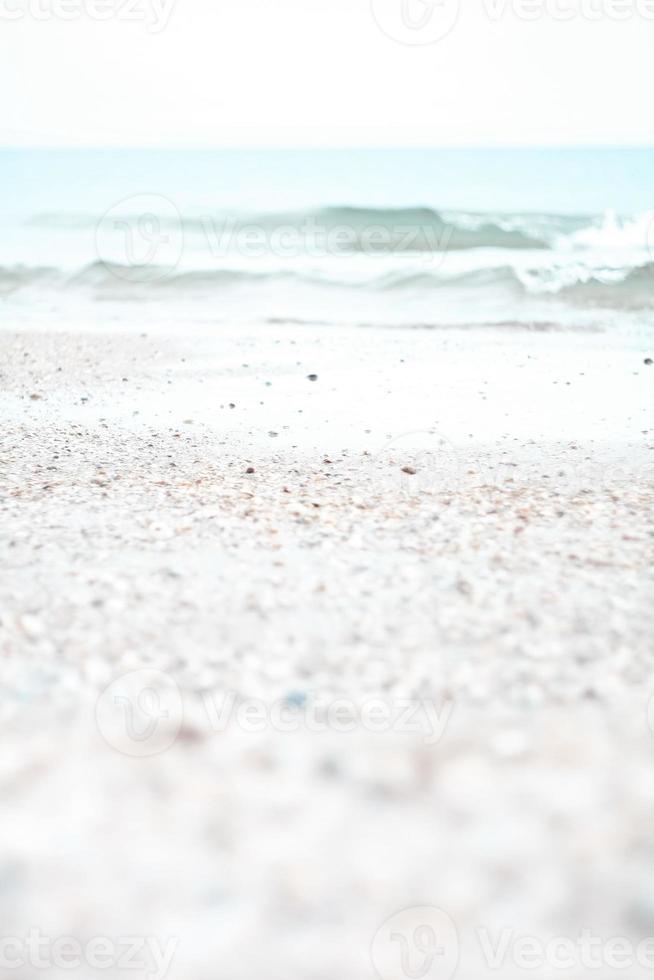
x=575 y=284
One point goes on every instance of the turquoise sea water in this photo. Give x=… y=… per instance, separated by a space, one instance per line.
x=570 y=181
x=403 y=236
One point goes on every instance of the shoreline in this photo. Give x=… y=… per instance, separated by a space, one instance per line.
x=136 y=434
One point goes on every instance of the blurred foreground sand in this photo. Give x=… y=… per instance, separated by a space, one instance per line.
x=442 y=519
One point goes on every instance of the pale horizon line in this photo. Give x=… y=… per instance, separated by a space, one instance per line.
x=306 y=148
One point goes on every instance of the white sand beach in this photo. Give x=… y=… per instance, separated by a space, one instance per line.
x=326 y=490
x=310 y=516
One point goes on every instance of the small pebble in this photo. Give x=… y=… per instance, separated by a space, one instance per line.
x=296 y=699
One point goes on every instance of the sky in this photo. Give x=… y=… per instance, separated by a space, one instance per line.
x=210 y=73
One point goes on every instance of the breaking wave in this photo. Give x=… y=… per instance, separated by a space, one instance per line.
x=402 y=256
x=578 y=285
x=351 y=229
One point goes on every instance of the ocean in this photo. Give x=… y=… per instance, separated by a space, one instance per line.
x=533 y=238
